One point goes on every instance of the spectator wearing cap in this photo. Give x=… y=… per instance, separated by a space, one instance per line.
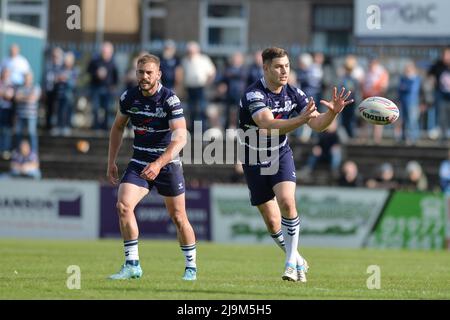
x=385 y=178
x=415 y=179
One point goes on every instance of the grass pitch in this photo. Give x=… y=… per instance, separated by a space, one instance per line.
x=36 y=269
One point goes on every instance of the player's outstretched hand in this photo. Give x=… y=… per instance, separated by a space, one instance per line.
x=113 y=174
x=338 y=102
x=310 y=111
x=151 y=171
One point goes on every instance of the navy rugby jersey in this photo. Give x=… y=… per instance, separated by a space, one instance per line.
x=150 y=118
x=283 y=105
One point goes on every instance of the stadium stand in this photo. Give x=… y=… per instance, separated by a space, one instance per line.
x=83 y=156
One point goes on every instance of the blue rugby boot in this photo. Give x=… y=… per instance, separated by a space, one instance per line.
x=127 y=271
x=190 y=274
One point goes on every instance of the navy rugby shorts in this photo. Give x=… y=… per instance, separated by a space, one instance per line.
x=261 y=186
x=169 y=182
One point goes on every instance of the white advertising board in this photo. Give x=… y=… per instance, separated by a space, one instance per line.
x=49 y=209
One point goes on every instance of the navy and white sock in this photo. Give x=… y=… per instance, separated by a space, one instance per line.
x=291 y=229
x=131 y=252
x=190 y=255
x=279 y=240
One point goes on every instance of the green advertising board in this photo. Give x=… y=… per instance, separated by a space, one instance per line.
x=411 y=220
x=329 y=217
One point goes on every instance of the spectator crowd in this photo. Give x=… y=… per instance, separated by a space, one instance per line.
x=210 y=90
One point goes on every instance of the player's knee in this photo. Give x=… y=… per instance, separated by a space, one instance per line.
x=287 y=205
x=179 y=218
x=273 y=225
x=123 y=209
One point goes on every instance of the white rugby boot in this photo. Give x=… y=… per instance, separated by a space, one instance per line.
x=290 y=273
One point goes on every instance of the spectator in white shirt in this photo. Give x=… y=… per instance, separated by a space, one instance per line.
x=17 y=64
x=198 y=72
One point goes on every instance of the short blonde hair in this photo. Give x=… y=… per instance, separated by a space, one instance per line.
x=146 y=58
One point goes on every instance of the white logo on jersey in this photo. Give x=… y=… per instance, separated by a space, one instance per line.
x=122 y=97
x=160 y=113
x=301 y=92
x=173 y=100
x=254 y=95
x=288 y=106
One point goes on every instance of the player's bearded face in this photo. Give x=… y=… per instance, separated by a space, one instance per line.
x=278 y=71
x=148 y=76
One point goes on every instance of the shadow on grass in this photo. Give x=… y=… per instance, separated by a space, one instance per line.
x=194 y=291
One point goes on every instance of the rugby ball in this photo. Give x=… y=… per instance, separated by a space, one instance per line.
x=378 y=110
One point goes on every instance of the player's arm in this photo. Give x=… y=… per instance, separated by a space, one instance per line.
x=178 y=141
x=115 y=141
x=264 y=120
x=335 y=106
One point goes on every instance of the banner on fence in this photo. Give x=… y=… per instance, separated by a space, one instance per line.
x=336 y=217
x=152 y=216
x=49 y=209
x=412 y=220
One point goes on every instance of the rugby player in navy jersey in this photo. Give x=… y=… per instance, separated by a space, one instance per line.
x=272 y=108
x=159 y=126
